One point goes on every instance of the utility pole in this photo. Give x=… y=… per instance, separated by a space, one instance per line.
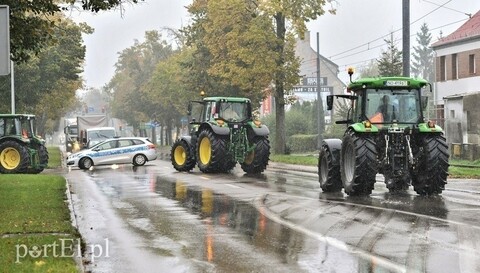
x=406 y=37
x=320 y=118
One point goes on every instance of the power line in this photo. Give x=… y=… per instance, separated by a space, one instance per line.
x=382 y=37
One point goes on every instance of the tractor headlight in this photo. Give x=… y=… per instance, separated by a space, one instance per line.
x=257 y=123
x=367 y=124
x=431 y=124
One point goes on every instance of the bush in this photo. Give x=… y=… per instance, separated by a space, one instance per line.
x=302 y=143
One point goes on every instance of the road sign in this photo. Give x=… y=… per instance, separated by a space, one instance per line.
x=4 y=41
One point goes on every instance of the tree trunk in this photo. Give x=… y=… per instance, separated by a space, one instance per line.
x=280 y=137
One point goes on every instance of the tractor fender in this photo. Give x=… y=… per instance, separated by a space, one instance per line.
x=21 y=141
x=334 y=145
x=223 y=131
x=187 y=139
x=260 y=131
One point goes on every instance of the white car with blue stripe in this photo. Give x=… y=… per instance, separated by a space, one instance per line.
x=119 y=150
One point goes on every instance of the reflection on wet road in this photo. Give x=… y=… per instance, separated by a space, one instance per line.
x=281 y=222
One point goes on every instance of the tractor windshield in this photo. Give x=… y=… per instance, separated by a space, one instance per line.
x=388 y=106
x=233 y=111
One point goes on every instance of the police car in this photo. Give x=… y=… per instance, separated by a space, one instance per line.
x=119 y=150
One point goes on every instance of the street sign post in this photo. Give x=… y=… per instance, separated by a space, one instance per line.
x=4 y=41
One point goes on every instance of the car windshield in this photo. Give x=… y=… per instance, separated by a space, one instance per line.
x=101 y=134
x=233 y=111
x=387 y=106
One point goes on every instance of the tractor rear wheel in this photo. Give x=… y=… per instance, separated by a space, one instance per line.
x=431 y=173
x=328 y=173
x=257 y=160
x=212 y=155
x=14 y=157
x=182 y=156
x=358 y=165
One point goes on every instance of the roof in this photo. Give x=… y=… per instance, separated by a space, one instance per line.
x=469 y=30
x=388 y=82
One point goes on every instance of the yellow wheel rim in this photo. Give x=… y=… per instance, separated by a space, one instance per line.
x=10 y=158
x=180 y=155
x=249 y=158
x=205 y=152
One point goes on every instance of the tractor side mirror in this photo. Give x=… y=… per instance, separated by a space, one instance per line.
x=329 y=102
x=424 y=102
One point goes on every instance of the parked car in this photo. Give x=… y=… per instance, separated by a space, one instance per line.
x=118 y=150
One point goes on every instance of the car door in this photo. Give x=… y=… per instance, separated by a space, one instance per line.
x=124 y=151
x=105 y=153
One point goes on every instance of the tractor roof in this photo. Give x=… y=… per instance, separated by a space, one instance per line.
x=228 y=99
x=16 y=115
x=388 y=82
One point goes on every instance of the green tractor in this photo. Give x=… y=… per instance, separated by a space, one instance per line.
x=223 y=132
x=386 y=133
x=21 y=150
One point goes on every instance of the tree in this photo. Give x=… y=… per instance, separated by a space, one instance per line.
x=369 y=70
x=46 y=84
x=134 y=69
x=231 y=41
x=422 y=64
x=32 y=23
x=390 y=62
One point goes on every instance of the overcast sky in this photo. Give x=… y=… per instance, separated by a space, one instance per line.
x=350 y=38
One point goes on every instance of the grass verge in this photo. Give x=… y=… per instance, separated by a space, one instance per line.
x=36 y=234
x=54 y=157
x=460 y=168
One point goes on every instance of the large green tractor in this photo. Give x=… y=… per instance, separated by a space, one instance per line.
x=386 y=133
x=223 y=132
x=21 y=150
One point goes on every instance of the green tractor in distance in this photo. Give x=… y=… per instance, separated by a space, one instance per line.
x=223 y=132
x=387 y=134
x=21 y=150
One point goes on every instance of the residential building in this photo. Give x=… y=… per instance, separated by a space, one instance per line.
x=306 y=89
x=457 y=83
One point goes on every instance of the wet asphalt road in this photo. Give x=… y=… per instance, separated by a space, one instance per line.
x=154 y=219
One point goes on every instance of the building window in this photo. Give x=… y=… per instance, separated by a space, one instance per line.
x=452 y=113
x=454 y=67
x=443 y=68
x=471 y=64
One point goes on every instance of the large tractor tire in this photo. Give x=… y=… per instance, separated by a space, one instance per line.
x=431 y=173
x=14 y=157
x=182 y=156
x=212 y=154
x=328 y=172
x=256 y=161
x=358 y=166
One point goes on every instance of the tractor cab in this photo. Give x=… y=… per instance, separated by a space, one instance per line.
x=385 y=101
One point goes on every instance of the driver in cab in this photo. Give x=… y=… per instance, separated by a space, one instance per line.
x=387 y=109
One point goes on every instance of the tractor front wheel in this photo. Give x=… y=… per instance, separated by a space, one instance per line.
x=431 y=173
x=14 y=158
x=182 y=156
x=212 y=155
x=358 y=165
x=257 y=160
x=328 y=173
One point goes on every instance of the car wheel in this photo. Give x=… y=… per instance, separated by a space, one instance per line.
x=139 y=160
x=85 y=163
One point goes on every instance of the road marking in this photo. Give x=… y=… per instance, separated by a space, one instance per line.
x=233 y=186
x=355 y=251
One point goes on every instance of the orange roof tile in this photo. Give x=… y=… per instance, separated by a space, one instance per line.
x=470 y=29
